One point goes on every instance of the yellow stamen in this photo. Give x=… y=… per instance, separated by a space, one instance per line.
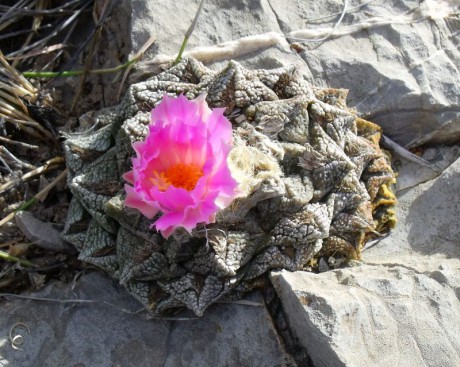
x=180 y=175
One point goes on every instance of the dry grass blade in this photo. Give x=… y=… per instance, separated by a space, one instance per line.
x=42 y=41
x=49 y=164
x=10 y=15
x=23 y=121
x=138 y=55
x=14 y=88
x=21 y=86
x=35 y=25
x=92 y=51
x=13 y=158
x=46 y=23
x=40 y=51
x=18 y=143
x=42 y=194
x=17 y=339
x=11 y=97
x=20 y=32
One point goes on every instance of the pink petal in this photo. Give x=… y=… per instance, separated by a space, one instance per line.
x=168 y=222
x=219 y=127
x=203 y=110
x=129 y=176
x=171 y=110
x=172 y=199
x=223 y=181
x=133 y=200
x=183 y=132
x=203 y=213
x=139 y=147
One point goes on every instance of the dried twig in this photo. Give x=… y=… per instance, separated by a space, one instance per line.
x=14 y=159
x=18 y=143
x=49 y=164
x=39 y=196
x=92 y=51
x=39 y=51
x=7 y=167
x=71 y=9
x=138 y=56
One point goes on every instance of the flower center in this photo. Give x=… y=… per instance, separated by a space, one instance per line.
x=181 y=175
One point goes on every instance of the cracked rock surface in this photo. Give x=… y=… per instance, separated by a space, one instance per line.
x=103 y=332
x=400 y=61
x=401 y=306
x=384 y=315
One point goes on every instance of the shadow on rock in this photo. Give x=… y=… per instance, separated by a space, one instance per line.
x=432 y=218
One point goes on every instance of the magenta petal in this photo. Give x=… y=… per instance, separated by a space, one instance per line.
x=203 y=110
x=173 y=199
x=223 y=181
x=134 y=201
x=187 y=133
x=129 y=176
x=220 y=127
x=169 y=222
x=139 y=147
x=203 y=213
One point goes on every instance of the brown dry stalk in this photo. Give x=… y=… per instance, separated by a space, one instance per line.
x=18 y=143
x=14 y=88
x=95 y=41
x=138 y=55
x=21 y=83
x=8 y=155
x=13 y=115
x=49 y=164
x=39 y=5
x=39 y=196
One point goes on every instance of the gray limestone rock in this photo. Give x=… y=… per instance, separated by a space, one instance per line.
x=372 y=316
x=220 y=22
x=401 y=308
x=428 y=230
x=107 y=331
x=42 y=234
x=400 y=60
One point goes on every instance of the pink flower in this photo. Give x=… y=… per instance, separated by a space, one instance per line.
x=181 y=167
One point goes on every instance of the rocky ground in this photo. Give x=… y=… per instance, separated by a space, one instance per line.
x=399 y=306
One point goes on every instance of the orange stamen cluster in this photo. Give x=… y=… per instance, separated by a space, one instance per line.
x=181 y=175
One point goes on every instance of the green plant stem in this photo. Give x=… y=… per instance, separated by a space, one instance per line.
x=181 y=51
x=27 y=204
x=189 y=32
x=7 y=257
x=53 y=74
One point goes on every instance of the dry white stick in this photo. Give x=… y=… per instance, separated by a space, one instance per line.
x=225 y=50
